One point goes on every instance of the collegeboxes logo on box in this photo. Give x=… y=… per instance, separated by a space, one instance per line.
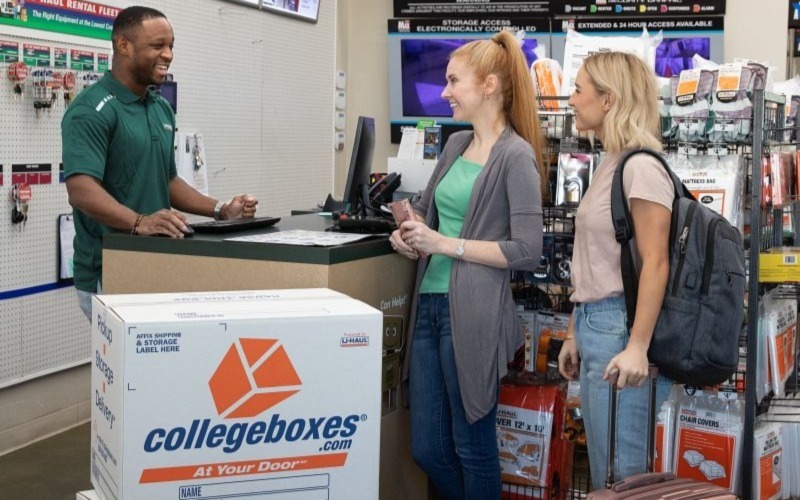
x=253 y=376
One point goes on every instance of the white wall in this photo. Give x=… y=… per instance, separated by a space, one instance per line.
x=365 y=44
x=756 y=29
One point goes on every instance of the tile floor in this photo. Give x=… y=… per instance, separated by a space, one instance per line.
x=53 y=469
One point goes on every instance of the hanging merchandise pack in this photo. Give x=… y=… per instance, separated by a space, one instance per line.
x=767 y=460
x=731 y=106
x=783 y=176
x=574 y=175
x=530 y=439
x=716 y=181
x=579 y=47
x=546 y=74
x=708 y=440
x=790 y=89
x=691 y=94
x=665 y=436
x=780 y=335
x=784 y=456
x=711 y=103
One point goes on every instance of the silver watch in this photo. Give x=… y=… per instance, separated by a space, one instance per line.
x=460 y=249
x=218 y=210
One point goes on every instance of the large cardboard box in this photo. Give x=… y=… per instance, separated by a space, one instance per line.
x=272 y=394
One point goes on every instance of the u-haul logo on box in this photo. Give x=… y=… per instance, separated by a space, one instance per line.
x=354 y=340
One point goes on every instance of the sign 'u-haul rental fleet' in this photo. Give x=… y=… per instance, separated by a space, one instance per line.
x=272 y=394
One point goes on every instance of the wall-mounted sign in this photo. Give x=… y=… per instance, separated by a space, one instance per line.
x=31 y=173
x=461 y=9
x=81 y=60
x=796 y=48
x=638 y=7
x=59 y=57
x=9 y=51
x=102 y=62
x=794 y=14
x=36 y=55
x=307 y=10
x=72 y=17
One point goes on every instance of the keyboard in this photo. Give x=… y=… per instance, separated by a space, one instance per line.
x=366 y=225
x=232 y=225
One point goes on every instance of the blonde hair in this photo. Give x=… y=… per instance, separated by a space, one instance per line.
x=502 y=56
x=633 y=121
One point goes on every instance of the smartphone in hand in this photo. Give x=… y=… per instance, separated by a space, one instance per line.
x=402 y=211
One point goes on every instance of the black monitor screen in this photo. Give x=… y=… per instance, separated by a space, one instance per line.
x=169 y=91
x=360 y=160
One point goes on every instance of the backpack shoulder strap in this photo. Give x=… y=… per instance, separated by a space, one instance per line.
x=623 y=225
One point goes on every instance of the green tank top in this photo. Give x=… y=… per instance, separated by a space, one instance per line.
x=452 y=199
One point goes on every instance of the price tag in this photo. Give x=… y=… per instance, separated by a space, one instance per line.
x=687 y=149
x=725 y=125
x=717 y=149
x=687 y=86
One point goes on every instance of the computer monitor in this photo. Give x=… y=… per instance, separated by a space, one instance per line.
x=360 y=163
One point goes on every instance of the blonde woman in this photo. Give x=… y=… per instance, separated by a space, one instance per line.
x=615 y=100
x=480 y=215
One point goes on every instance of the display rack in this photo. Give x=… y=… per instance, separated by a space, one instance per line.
x=765 y=232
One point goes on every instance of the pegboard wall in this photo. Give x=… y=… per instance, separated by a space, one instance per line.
x=258 y=86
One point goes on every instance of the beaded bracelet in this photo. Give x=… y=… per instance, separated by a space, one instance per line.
x=135 y=229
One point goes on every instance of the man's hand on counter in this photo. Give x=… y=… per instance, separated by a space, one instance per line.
x=165 y=223
x=241 y=206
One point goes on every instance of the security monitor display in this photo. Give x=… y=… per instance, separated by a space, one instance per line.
x=674 y=55
x=423 y=67
x=419 y=51
x=360 y=161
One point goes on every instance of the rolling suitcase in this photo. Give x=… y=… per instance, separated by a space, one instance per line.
x=650 y=485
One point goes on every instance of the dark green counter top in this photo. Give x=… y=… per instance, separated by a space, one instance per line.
x=213 y=245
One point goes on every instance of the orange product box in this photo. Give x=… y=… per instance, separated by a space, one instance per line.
x=533 y=452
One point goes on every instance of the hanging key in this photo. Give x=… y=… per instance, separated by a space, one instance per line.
x=197 y=153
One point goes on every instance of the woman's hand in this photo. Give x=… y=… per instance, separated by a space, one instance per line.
x=419 y=237
x=400 y=246
x=632 y=364
x=569 y=362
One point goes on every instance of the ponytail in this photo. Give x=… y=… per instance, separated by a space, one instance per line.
x=503 y=57
x=519 y=98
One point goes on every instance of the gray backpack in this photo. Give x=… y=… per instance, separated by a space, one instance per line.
x=696 y=338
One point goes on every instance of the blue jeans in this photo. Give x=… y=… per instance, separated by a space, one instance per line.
x=461 y=459
x=85 y=301
x=601 y=333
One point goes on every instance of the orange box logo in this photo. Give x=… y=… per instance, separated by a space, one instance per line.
x=254 y=376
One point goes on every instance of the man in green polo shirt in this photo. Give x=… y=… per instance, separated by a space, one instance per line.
x=118 y=155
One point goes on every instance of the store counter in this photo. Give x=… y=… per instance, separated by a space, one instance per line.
x=368 y=270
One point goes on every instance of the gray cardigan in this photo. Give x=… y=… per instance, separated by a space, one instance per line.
x=505 y=206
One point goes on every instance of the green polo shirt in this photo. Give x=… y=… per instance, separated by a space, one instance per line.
x=126 y=142
x=452 y=196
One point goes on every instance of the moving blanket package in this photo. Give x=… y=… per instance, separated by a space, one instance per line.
x=235 y=394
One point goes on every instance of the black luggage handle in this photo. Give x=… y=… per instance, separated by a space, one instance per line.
x=613 y=394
